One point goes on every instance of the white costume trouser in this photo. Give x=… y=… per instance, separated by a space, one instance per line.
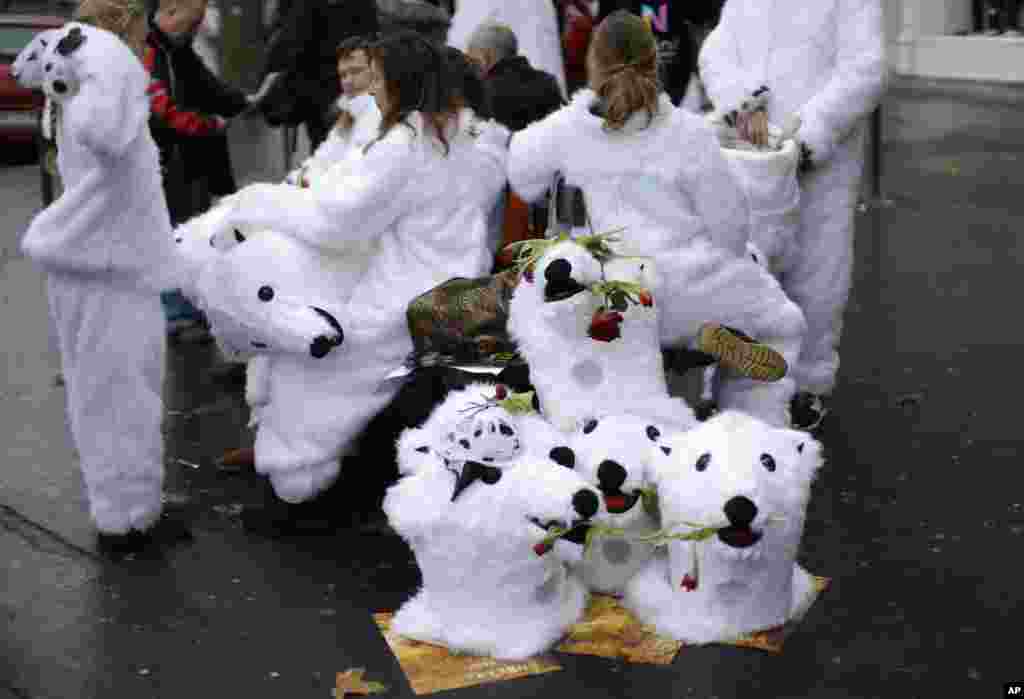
x=112 y=345
x=701 y=283
x=309 y=412
x=817 y=272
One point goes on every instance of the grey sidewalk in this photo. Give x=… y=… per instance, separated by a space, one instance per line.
x=918 y=517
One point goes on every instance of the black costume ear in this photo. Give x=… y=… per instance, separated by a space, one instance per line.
x=800 y=448
x=666 y=450
x=653 y=433
x=71 y=42
x=589 y=426
x=423 y=449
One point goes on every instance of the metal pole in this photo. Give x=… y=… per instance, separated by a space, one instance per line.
x=876 y=154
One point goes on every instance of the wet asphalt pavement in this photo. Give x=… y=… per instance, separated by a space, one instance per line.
x=918 y=516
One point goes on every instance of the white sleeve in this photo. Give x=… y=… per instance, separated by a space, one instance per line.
x=857 y=82
x=717 y=196
x=492 y=149
x=535 y=155
x=726 y=81
x=110 y=117
x=352 y=203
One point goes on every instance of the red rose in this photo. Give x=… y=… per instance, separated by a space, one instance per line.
x=689 y=583
x=500 y=392
x=646 y=299
x=541 y=548
x=604 y=326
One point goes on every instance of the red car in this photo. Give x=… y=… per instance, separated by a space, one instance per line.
x=19 y=107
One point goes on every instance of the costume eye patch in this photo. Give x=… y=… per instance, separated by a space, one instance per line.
x=71 y=42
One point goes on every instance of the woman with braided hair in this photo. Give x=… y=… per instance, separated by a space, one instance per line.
x=657 y=173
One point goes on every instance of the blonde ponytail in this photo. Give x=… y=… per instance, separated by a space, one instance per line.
x=623 y=66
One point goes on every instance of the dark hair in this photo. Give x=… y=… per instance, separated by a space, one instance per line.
x=468 y=84
x=414 y=72
x=353 y=44
x=625 y=67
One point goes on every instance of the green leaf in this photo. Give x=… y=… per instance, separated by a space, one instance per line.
x=518 y=403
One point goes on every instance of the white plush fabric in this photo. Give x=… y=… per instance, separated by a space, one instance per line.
x=27 y=68
x=375 y=231
x=825 y=62
x=669 y=185
x=111 y=220
x=613 y=455
x=702 y=592
x=105 y=244
x=277 y=299
x=485 y=589
x=534 y=22
x=338 y=144
x=577 y=377
x=470 y=425
x=427 y=211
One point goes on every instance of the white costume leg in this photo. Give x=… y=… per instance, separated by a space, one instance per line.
x=818 y=270
x=112 y=354
x=315 y=411
x=704 y=284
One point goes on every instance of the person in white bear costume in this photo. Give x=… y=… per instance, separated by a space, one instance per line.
x=107 y=249
x=477 y=530
x=825 y=63
x=534 y=22
x=420 y=191
x=658 y=174
x=752 y=482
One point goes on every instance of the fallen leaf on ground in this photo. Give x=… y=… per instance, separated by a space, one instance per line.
x=352 y=682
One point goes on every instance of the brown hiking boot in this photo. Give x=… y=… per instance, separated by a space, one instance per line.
x=741 y=353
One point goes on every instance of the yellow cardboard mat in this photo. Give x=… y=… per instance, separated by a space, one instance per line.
x=607 y=630
x=431 y=668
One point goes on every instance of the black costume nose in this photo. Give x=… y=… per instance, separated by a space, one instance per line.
x=585 y=503
x=740 y=511
x=611 y=475
x=321 y=346
x=558 y=271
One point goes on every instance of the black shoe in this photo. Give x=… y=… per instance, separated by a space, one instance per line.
x=807 y=410
x=168 y=530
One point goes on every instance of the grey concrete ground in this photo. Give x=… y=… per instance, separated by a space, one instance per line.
x=918 y=516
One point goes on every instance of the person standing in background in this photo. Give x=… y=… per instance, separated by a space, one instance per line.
x=303 y=51
x=825 y=63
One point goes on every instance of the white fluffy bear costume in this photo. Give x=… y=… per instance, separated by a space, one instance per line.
x=664 y=182
x=551 y=319
x=735 y=472
x=107 y=249
x=314 y=373
x=474 y=527
x=824 y=62
x=423 y=214
x=613 y=454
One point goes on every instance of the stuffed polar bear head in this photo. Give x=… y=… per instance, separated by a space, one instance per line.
x=204 y=237
x=613 y=454
x=753 y=481
x=27 y=68
x=270 y=294
x=470 y=425
x=65 y=61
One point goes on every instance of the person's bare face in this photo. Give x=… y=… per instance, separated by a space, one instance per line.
x=354 y=73
x=483 y=58
x=182 y=17
x=378 y=88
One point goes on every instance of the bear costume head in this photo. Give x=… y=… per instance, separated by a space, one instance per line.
x=592 y=350
x=27 y=68
x=486 y=588
x=613 y=454
x=270 y=294
x=751 y=482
